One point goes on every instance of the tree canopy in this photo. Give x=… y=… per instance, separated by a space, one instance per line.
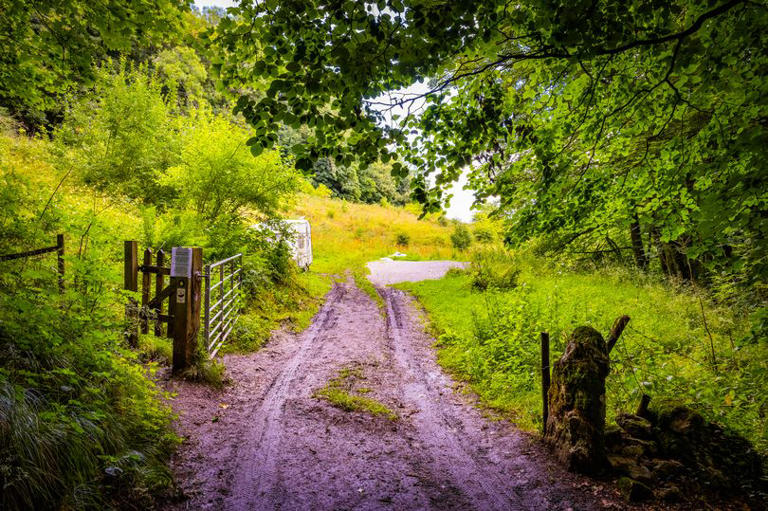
x=50 y=48
x=602 y=126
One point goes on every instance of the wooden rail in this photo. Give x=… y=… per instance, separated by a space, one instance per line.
x=182 y=294
x=151 y=307
x=58 y=248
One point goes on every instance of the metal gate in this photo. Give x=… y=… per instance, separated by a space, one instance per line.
x=222 y=287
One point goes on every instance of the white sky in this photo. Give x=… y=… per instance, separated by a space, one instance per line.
x=214 y=3
x=462 y=199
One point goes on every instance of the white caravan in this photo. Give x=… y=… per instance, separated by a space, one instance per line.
x=300 y=242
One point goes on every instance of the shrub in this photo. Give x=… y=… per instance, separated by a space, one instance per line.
x=402 y=239
x=461 y=238
x=218 y=175
x=493 y=268
x=81 y=425
x=483 y=235
x=122 y=136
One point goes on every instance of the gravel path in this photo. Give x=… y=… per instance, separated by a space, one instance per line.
x=265 y=442
x=387 y=272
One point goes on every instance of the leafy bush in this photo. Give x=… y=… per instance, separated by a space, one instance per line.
x=217 y=175
x=493 y=268
x=402 y=239
x=461 y=238
x=122 y=136
x=483 y=235
x=181 y=67
x=80 y=423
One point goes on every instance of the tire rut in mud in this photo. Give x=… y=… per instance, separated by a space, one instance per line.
x=437 y=428
x=277 y=446
x=256 y=473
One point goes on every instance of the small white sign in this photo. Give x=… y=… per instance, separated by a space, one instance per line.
x=181 y=295
x=181 y=262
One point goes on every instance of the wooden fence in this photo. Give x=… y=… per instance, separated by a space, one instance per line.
x=182 y=293
x=58 y=248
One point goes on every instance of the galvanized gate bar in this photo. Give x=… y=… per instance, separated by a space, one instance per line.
x=227 y=280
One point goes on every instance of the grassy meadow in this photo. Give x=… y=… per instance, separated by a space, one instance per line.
x=679 y=343
x=347 y=235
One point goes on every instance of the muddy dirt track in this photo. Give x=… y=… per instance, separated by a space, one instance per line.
x=265 y=442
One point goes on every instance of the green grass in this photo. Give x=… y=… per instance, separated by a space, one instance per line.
x=345 y=235
x=490 y=339
x=362 y=282
x=290 y=306
x=341 y=393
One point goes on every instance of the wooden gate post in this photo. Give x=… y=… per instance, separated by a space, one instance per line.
x=159 y=281
x=186 y=274
x=131 y=283
x=545 y=378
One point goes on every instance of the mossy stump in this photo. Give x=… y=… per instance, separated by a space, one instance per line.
x=576 y=423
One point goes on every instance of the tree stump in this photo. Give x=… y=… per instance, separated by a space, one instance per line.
x=576 y=423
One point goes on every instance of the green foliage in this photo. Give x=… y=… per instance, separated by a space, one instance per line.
x=378 y=185
x=492 y=268
x=205 y=370
x=49 y=48
x=81 y=424
x=217 y=175
x=627 y=130
x=461 y=238
x=402 y=239
x=341 y=180
x=491 y=340
x=155 y=349
x=483 y=235
x=372 y=184
x=122 y=136
x=181 y=68
x=341 y=393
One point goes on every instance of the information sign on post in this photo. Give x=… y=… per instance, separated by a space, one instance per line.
x=186 y=269
x=181 y=262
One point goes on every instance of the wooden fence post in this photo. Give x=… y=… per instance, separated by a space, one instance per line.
x=60 y=257
x=545 y=377
x=642 y=408
x=186 y=304
x=131 y=283
x=159 y=281
x=146 y=283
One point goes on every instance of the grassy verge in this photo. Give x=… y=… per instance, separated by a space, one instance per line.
x=361 y=281
x=678 y=343
x=344 y=392
x=290 y=306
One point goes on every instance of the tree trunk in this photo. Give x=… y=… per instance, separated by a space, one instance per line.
x=673 y=260
x=661 y=251
x=641 y=259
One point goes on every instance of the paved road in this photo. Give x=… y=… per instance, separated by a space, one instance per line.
x=387 y=272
